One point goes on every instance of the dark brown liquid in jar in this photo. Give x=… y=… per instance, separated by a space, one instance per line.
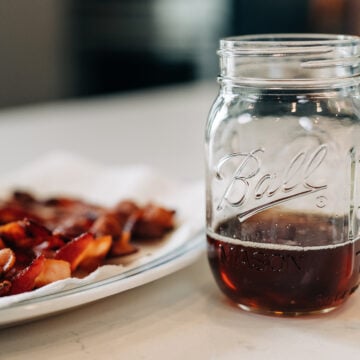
x=267 y=264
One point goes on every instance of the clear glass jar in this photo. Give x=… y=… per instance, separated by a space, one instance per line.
x=283 y=162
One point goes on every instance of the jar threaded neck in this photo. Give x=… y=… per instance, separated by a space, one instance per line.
x=295 y=60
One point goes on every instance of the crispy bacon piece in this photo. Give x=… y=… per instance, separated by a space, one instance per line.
x=96 y=253
x=74 y=225
x=125 y=208
x=107 y=224
x=122 y=245
x=40 y=272
x=42 y=241
x=13 y=231
x=51 y=213
x=24 y=233
x=5 y=287
x=10 y=213
x=52 y=270
x=154 y=222
x=7 y=260
x=85 y=251
x=24 y=198
x=25 y=280
x=49 y=246
x=75 y=250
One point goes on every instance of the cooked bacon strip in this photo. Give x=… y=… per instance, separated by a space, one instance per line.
x=154 y=222
x=9 y=213
x=13 y=231
x=24 y=198
x=75 y=250
x=74 y=225
x=25 y=280
x=96 y=253
x=24 y=233
x=5 y=287
x=107 y=224
x=52 y=270
x=7 y=260
x=42 y=241
x=122 y=245
x=125 y=208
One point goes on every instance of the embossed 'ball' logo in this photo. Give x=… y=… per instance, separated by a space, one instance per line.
x=245 y=181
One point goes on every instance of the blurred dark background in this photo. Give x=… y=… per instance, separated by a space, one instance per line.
x=58 y=49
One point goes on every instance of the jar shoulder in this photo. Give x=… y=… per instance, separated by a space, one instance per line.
x=244 y=107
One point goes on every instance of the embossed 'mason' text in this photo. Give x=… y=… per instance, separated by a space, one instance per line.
x=274 y=262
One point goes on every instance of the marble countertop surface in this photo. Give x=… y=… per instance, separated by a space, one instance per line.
x=183 y=315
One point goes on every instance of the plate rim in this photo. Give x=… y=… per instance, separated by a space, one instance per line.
x=65 y=300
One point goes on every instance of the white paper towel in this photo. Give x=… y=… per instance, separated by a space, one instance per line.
x=67 y=174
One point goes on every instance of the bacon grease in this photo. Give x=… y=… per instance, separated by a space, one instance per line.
x=285 y=263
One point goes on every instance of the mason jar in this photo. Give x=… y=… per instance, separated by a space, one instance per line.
x=283 y=162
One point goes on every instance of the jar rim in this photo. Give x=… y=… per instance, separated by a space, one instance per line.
x=278 y=40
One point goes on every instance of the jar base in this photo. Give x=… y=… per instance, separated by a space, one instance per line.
x=280 y=313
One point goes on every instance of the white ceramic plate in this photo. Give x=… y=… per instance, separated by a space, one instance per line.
x=35 y=308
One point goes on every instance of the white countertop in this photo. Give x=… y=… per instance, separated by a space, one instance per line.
x=181 y=316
